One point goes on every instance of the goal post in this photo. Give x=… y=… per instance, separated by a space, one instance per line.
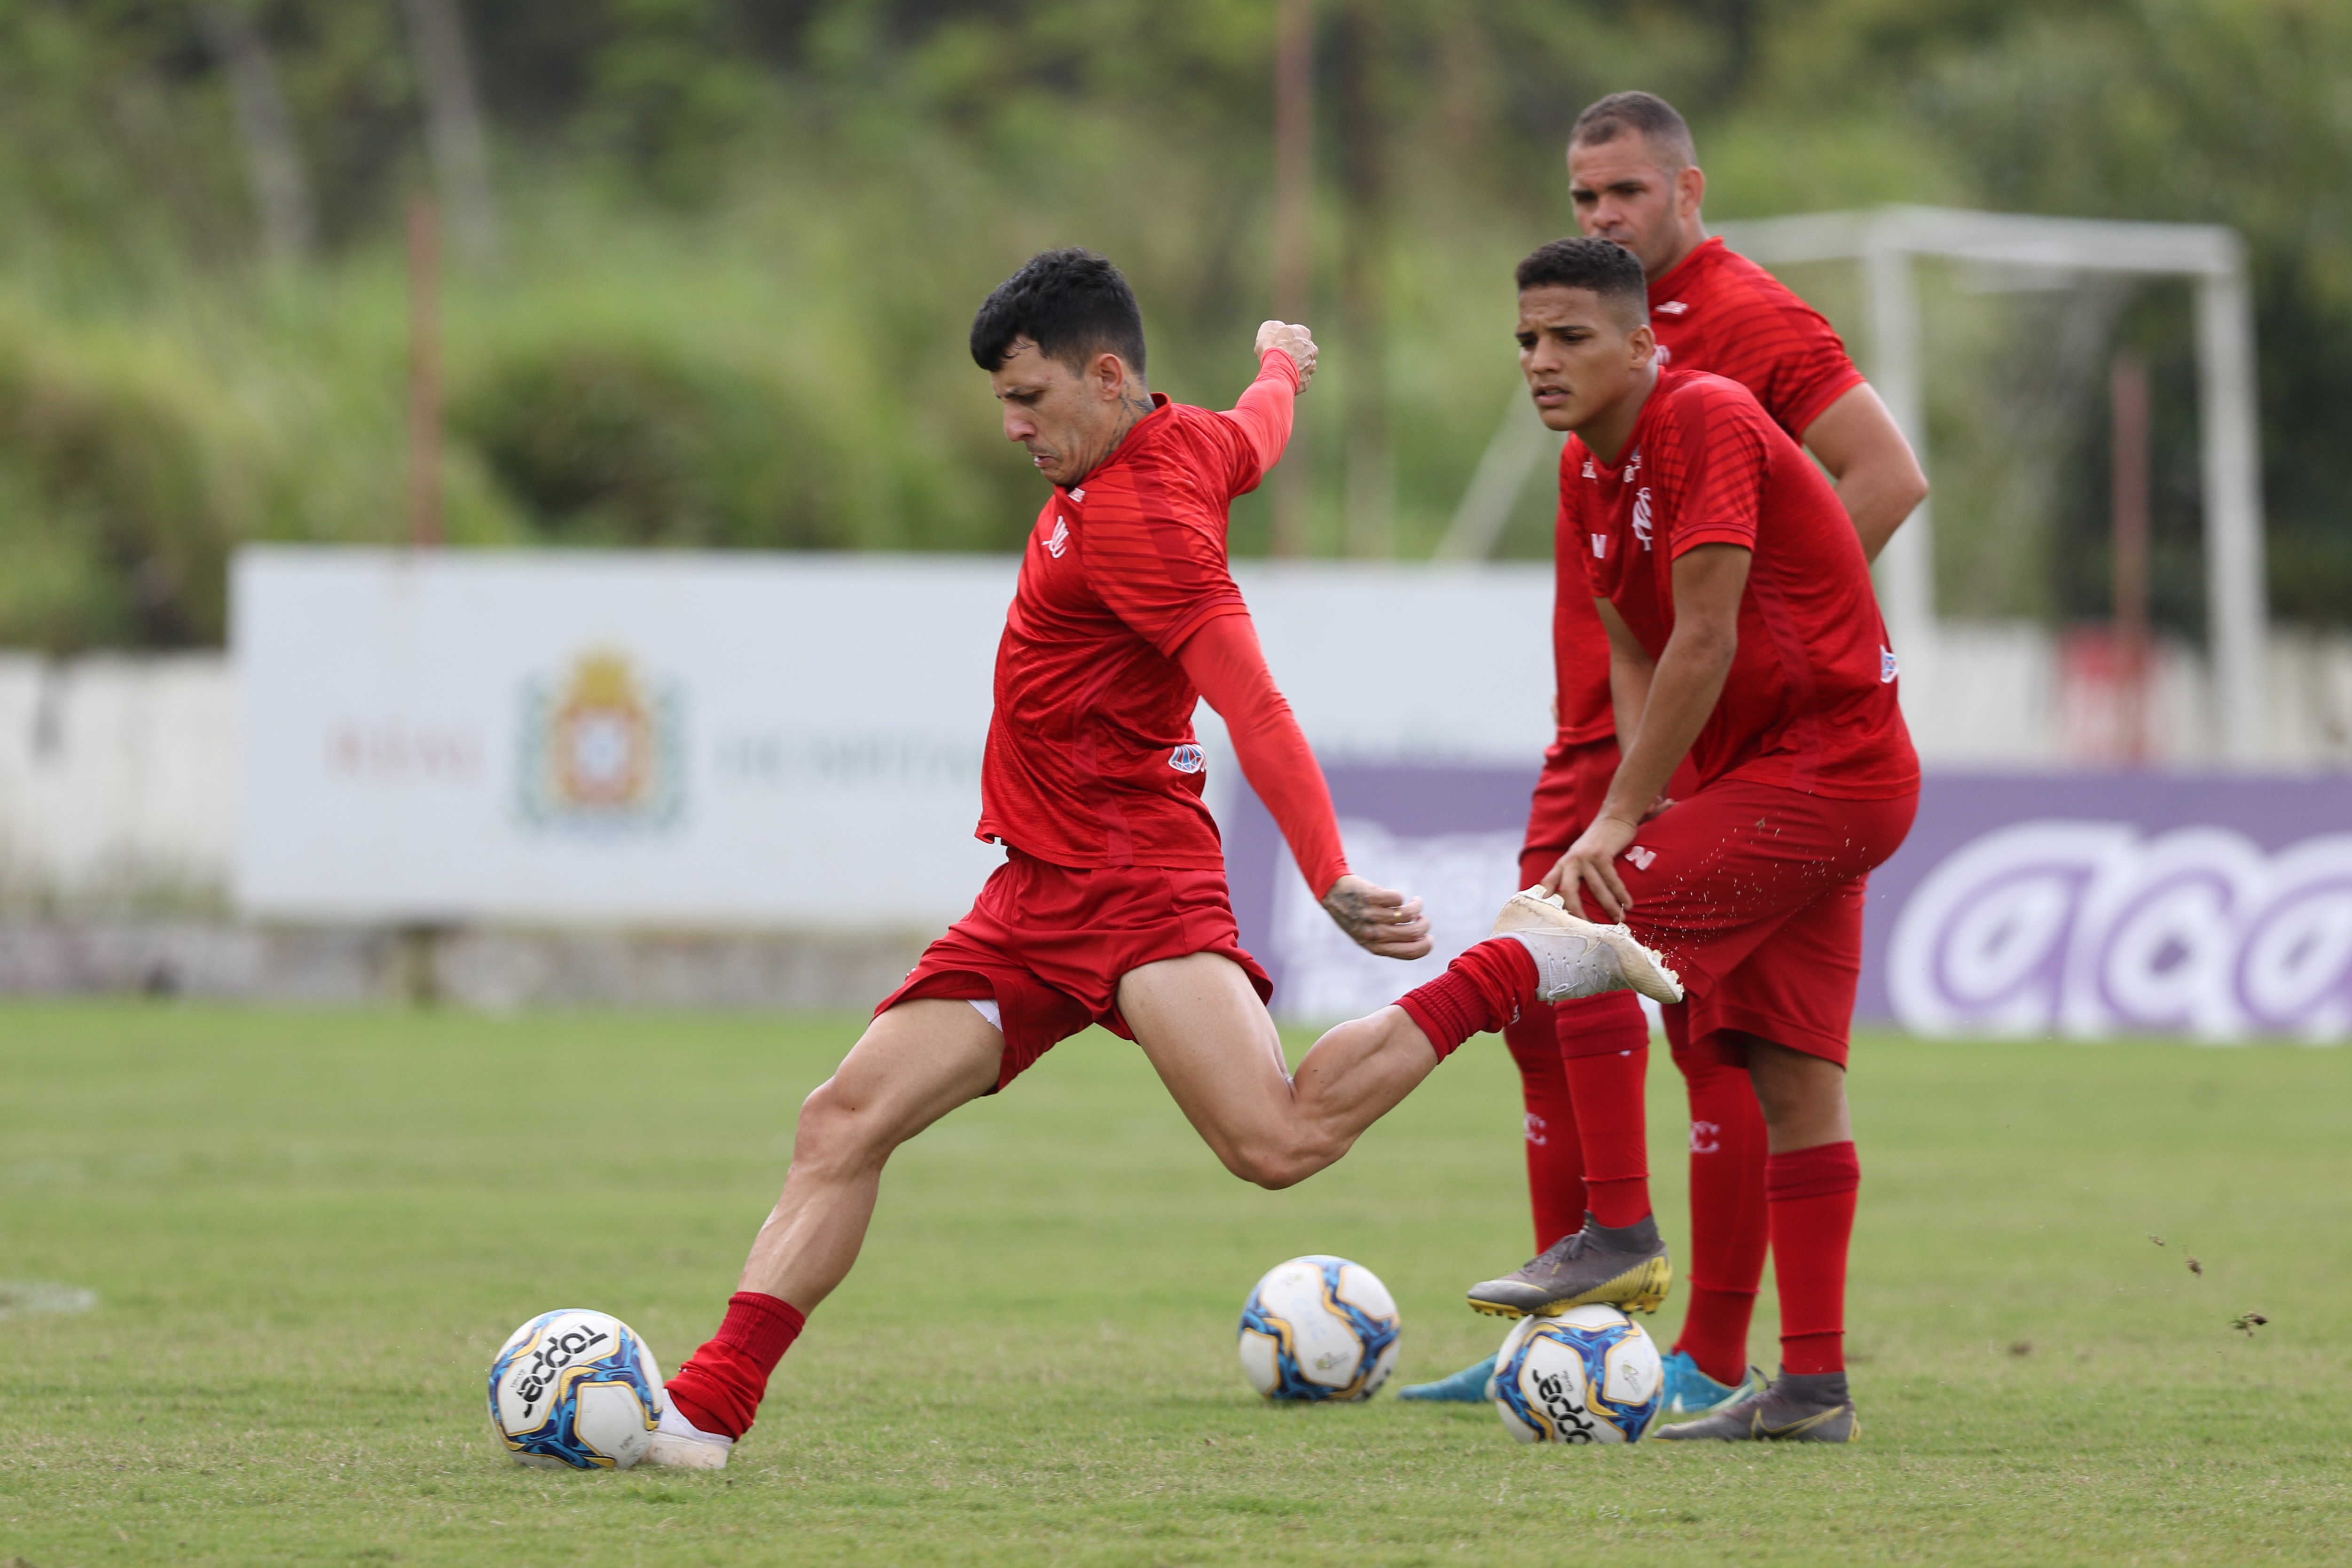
x=1884 y=243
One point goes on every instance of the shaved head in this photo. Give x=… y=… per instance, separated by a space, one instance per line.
x=1642 y=114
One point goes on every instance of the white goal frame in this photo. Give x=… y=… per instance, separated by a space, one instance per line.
x=1885 y=241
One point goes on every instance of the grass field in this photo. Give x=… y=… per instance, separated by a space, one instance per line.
x=307 y=1232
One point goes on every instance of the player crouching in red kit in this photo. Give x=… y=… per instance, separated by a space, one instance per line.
x=1111 y=906
x=1744 y=635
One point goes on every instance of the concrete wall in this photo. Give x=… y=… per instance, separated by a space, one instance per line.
x=118 y=801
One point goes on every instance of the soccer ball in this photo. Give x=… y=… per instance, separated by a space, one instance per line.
x=1320 y=1328
x=576 y=1387
x=1590 y=1376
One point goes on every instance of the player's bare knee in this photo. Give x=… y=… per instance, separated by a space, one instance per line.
x=1277 y=1161
x=835 y=1133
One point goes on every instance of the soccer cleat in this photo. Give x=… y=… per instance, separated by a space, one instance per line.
x=1575 y=958
x=680 y=1445
x=1624 y=1267
x=1473 y=1384
x=1690 y=1392
x=1794 y=1409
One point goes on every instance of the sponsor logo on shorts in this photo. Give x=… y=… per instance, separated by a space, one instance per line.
x=1059 y=540
x=1640 y=857
x=1538 y=1129
x=1187 y=760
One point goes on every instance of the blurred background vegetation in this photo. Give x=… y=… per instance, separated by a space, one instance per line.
x=711 y=261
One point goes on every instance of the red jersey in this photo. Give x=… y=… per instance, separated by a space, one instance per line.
x=1717 y=312
x=1720 y=312
x=1091 y=760
x=1810 y=702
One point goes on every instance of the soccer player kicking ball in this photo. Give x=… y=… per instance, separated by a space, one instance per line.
x=1633 y=178
x=1744 y=636
x=1111 y=906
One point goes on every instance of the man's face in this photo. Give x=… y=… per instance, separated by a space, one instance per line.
x=1065 y=418
x=1580 y=359
x=1622 y=192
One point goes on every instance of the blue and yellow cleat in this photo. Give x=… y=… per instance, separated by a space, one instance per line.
x=1690 y=1392
x=1473 y=1384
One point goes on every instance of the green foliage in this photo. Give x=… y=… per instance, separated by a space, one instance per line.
x=308 y=1234
x=744 y=239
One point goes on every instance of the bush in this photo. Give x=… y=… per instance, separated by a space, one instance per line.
x=638 y=444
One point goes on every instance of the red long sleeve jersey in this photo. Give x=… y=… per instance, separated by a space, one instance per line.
x=1716 y=311
x=1810 y=702
x=1091 y=757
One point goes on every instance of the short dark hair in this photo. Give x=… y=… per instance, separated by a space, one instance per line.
x=1644 y=113
x=1071 y=304
x=1603 y=266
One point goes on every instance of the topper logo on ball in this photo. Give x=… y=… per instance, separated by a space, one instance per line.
x=2091 y=929
x=549 y=1360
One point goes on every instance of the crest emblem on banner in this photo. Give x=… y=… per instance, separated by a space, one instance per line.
x=603 y=747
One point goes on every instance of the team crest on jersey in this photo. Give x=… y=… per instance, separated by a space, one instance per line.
x=1642 y=516
x=1587 y=470
x=1059 y=540
x=1187 y=760
x=1887 y=667
x=1665 y=355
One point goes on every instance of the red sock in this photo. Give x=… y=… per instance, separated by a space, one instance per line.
x=1729 y=1229
x=1811 y=1193
x=1479 y=994
x=1555 y=1157
x=1604 y=1044
x=720 y=1386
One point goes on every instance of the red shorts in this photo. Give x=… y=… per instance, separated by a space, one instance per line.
x=1575 y=782
x=1051 y=944
x=1754 y=893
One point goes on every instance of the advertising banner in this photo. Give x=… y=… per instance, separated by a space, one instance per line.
x=2082 y=905
x=759 y=739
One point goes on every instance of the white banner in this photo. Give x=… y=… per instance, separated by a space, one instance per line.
x=796 y=740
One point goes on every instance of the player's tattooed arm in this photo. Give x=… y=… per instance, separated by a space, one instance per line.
x=1293 y=340
x=1380 y=922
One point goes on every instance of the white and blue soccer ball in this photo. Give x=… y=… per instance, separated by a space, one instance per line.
x=1320 y=1328
x=578 y=1388
x=1588 y=1376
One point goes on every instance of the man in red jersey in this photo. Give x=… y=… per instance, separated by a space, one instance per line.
x=1633 y=178
x=1111 y=906
x=1744 y=639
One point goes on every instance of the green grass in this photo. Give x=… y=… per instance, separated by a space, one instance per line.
x=307 y=1232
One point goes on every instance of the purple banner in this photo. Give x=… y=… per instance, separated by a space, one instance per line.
x=2076 y=904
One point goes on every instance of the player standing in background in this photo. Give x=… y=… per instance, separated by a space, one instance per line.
x=1744 y=638
x=1633 y=178
x=1111 y=905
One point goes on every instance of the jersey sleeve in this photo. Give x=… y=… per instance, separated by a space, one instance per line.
x=1789 y=355
x=1226 y=664
x=1262 y=417
x=1711 y=470
x=1155 y=551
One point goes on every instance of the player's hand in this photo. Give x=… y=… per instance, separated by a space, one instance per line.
x=1384 y=923
x=1295 y=341
x=1658 y=808
x=1590 y=864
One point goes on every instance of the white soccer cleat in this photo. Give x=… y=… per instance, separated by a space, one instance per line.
x=1575 y=958
x=680 y=1445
